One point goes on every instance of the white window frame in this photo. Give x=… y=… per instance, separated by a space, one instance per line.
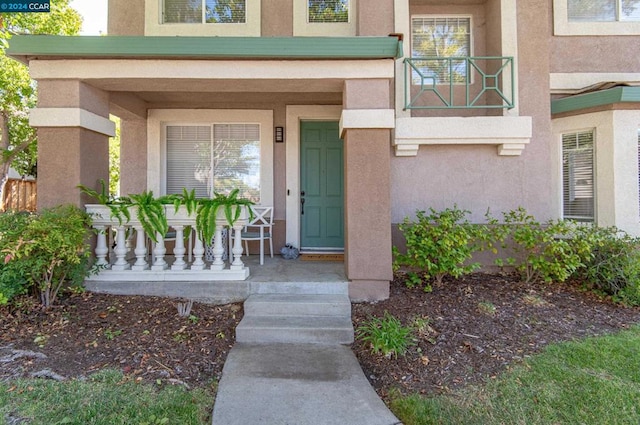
x=156 y=142
x=443 y=16
x=562 y=26
x=154 y=23
x=302 y=26
x=593 y=131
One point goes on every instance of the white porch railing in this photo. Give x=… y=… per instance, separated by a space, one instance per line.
x=123 y=249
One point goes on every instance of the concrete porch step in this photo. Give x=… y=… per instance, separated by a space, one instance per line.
x=297 y=305
x=331 y=287
x=295 y=329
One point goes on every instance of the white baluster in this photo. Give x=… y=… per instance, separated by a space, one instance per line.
x=237 y=247
x=179 y=249
x=101 y=246
x=218 y=249
x=141 y=250
x=198 y=252
x=121 y=250
x=158 y=252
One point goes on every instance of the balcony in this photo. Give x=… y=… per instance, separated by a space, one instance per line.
x=460 y=101
x=459 y=83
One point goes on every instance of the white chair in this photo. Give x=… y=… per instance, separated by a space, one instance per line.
x=259 y=229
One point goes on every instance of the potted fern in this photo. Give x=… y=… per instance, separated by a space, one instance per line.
x=151 y=212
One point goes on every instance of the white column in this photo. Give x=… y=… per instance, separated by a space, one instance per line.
x=218 y=249
x=121 y=250
x=141 y=250
x=101 y=246
x=158 y=252
x=179 y=249
x=198 y=252
x=237 y=247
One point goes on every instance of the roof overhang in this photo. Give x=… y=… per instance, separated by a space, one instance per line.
x=27 y=47
x=596 y=99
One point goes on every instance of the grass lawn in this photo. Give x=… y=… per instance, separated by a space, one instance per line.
x=107 y=397
x=592 y=381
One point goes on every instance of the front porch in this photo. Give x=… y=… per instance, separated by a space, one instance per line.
x=276 y=276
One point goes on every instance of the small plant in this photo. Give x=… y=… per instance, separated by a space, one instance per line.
x=534 y=300
x=439 y=244
x=488 y=308
x=111 y=334
x=386 y=335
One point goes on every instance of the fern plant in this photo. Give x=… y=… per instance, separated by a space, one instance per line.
x=207 y=212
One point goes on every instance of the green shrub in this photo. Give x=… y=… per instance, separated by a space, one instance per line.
x=438 y=244
x=386 y=335
x=613 y=263
x=13 y=279
x=43 y=251
x=542 y=251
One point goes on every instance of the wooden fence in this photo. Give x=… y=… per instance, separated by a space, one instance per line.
x=19 y=195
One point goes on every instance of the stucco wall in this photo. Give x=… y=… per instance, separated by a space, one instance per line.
x=126 y=17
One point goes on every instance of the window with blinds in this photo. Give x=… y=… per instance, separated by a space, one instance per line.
x=214 y=159
x=441 y=37
x=323 y=11
x=578 y=188
x=204 y=11
x=603 y=10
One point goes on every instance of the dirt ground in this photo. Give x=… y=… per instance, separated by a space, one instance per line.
x=471 y=329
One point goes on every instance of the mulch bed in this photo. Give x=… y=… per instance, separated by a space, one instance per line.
x=478 y=325
x=473 y=328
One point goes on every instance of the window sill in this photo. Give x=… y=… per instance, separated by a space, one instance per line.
x=510 y=134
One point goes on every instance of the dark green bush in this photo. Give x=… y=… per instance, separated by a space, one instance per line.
x=613 y=263
x=43 y=251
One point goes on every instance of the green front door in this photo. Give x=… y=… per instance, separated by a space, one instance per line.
x=321 y=187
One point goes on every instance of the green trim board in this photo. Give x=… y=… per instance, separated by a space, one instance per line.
x=610 y=96
x=21 y=46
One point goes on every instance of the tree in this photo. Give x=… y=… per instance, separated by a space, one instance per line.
x=18 y=141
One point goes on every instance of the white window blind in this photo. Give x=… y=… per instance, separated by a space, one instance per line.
x=214 y=158
x=578 y=189
x=204 y=11
x=323 y=11
x=603 y=10
x=441 y=37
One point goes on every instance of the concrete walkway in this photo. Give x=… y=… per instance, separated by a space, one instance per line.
x=296 y=384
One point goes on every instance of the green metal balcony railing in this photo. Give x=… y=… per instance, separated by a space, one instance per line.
x=459 y=82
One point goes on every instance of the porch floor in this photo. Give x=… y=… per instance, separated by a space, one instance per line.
x=275 y=276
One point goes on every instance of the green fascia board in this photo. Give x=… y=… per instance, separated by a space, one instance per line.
x=595 y=99
x=204 y=47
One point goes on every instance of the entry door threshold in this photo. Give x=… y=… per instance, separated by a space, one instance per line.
x=321 y=251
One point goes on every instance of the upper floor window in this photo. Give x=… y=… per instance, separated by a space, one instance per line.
x=603 y=10
x=204 y=11
x=321 y=11
x=439 y=40
x=325 y=18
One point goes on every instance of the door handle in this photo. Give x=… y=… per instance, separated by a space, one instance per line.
x=302 y=202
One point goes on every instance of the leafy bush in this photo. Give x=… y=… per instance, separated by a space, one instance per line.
x=386 y=335
x=613 y=263
x=43 y=251
x=438 y=244
x=542 y=251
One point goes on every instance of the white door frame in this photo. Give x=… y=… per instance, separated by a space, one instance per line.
x=295 y=114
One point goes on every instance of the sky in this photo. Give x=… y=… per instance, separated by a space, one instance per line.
x=94 y=14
